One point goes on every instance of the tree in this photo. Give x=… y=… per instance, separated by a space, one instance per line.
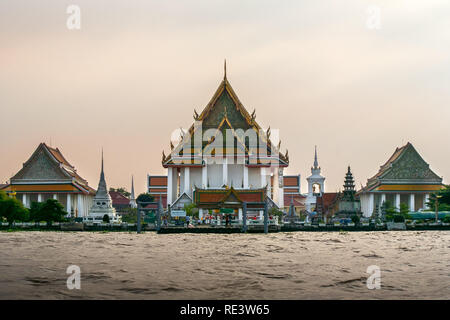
x=388 y=210
x=130 y=215
x=50 y=211
x=145 y=197
x=122 y=191
x=441 y=199
x=445 y=195
x=191 y=210
x=12 y=209
x=404 y=210
x=35 y=211
x=274 y=212
x=355 y=219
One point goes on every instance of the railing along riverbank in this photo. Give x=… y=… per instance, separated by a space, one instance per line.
x=234 y=228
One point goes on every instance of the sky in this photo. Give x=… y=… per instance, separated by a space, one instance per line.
x=356 y=78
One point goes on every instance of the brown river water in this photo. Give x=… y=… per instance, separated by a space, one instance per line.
x=296 y=265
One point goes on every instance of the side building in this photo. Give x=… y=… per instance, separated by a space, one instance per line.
x=47 y=174
x=404 y=178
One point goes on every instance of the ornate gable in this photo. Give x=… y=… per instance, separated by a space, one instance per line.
x=231 y=197
x=181 y=201
x=223 y=105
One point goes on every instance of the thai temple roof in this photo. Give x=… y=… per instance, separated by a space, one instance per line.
x=206 y=197
x=224 y=111
x=47 y=165
x=404 y=166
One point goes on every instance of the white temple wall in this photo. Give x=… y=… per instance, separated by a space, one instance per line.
x=235 y=175
x=215 y=173
x=254 y=178
x=195 y=179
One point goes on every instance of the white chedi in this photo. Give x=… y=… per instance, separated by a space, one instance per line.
x=102 y=204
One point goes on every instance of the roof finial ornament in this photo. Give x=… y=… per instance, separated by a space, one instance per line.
x=225 y=69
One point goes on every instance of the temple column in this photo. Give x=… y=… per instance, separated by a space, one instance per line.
x=269 y=184
x=200 y=213
x=383 y=198
x=69 y=204
x=280 y=188
x=187 y=182
x=39 y=198
x=276 y=190
x=397 y=201
x=205 y=176
x=263 y=177
x=24 y=200
x=225 y=171
x=178 y=190
x=169 y=185
x=245 y=177
x=371 y=203
x=426 y=198
x=55 y=196
x=240 y=214
x=412 y=202
x=80 y=206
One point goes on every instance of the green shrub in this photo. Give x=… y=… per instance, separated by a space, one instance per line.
x=399 y=218
x=355 y=219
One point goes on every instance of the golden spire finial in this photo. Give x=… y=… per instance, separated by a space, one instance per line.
x=225 y=69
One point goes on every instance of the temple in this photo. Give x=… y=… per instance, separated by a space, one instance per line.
x=47 y=174
x=404 y=178
x=225 y=158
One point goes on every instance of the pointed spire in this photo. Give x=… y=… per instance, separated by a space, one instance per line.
x=133 y=203
x=102 y=173
x=316 y=163
x=102 y=188
x=225 y=69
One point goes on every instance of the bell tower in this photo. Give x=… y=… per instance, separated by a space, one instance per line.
x=315 y=184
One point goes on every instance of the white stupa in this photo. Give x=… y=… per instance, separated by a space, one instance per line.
x=102 y=204
x=133 y=203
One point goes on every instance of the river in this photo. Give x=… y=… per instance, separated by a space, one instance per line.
x=296 y=265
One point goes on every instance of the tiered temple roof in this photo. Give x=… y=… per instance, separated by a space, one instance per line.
x=225 y=111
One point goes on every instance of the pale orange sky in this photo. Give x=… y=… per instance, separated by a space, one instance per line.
x=137 y=69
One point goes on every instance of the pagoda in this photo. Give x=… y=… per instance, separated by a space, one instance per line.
x=102 y=204
x=225 y=158
x=349 y=186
